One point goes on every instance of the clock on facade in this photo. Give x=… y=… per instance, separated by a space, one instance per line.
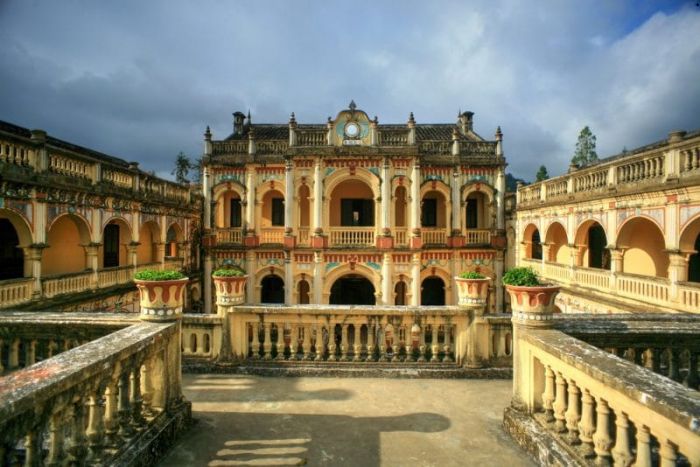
x=352 y=130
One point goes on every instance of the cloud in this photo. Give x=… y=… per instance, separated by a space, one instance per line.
x=143 y=86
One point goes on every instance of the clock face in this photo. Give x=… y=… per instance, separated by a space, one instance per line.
x=352 y=130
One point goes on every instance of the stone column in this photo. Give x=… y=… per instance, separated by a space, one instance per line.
x=317 y=241
x=206 y=192
x=415 y=279
x=92 y=252
x=677 y=271
x=250 y=283
x=32 y=258
x=387 y=292
x=289 y=239
x=500 y=199
x=288 y=279
x=207 y=285
x=456 y=201
x=499 y=269
x=318 y=278
x=415 y=205
x=386 y=240
x=250 y=208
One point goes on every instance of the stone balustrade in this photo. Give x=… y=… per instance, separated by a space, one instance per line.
x=400 y=236
x=655 y=290
x=394 y=137
x=66 y=283
x=201 y=336
x=589 y=405
x=16 y=291
x=110 y=277
x=312 y=137
x=172 y=262
x=434 y=235
x=352 y=236
x=303 y=236
x=229 y=235
x=27 y=338
x=15 y=153
x=272 y=235
x=478 y=236
x=619 y=174
x=111 y=401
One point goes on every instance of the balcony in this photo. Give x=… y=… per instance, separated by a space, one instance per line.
x=434 y=235
x=228 y=236
x=272 y=235
x=659 y=291
x=109 y=277
x=16 y=291
x=401 y=236
x=478 y=237
x=67 y=283
x=352 y=236
x=304 y=236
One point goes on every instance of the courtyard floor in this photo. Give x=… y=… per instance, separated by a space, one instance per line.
x=250 y=420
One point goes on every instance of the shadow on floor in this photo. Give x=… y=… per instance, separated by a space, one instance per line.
x=230 y=388
x=221 y=439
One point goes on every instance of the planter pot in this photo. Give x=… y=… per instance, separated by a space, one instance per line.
x=533 y=305
x=161 y=300
x=230 y=290
x=472 y=292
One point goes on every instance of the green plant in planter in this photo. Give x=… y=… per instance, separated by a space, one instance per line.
x=155 y=275
x=229 y=272
x=521 y=277
x=471 y=275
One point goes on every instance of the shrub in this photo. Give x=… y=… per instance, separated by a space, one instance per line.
x=471 y=275
x=155 y=275
x=523 y=277
x=229 y=272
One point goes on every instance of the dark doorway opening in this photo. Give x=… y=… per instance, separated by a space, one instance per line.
x=272 y=289
x=472 y=214
x=536 y=245
x=694 y=263
x=110 y=258
x=303 y=290
x=598 y=255
x=356 y=212
x=400 y=293
x=11 y=256
x=429 y=212
x=235 y=216
x=352 y=290
x=432 y=292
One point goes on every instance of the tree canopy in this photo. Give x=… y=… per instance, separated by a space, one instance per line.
x=182 y=168
x=585 y=148
x=541 y=174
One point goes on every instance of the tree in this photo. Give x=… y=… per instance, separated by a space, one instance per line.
x=196 y=167
x=512 y=182
x=182 y=168
x=541 y=174
x=585 y=148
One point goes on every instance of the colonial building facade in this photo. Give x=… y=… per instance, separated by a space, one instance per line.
x=352 y=211
x=76 y=224
x=620 y=235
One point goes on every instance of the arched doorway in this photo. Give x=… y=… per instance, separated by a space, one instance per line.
x=303 y=291
x=400 y=293
x=11 y=255
x=352 y=289
x=532 y=243
x=476 y=211
x=536 y=245
x=598 y=253
x=115 y=236
x=272 y=289
x=172 y=238
x=644 y=247
x=149 y=237
x=690 y=243
x=432 y=291
x=558 y=244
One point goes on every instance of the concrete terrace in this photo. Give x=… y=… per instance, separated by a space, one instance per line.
x=251 y=420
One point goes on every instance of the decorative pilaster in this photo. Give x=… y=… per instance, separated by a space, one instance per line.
x=385 y=240
x=318 y=240
x=387 y=293
x=415 y=241
x=415 y=279
x=289 y=238
x=250 y=239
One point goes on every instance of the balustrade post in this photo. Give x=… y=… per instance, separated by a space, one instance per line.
x=77 y=421
x=668 y=454
x=447 y=347
x=601 y=437
x=111 y=422
x=434 y=346
x=293 y=341
x=280 y=345
x=306 y=343
x=621 y=453
x=32 y=450
x=559 y=404
x=256 y=340
x=321 y=342
x=56 y=452
x=344 y=344
x=381 y=337
x=396 y=344
x=123 y=407
x=421 y=345
x=13 y=355
x=94 y=430
x=573 y=414
x=548 y=394
x=586 y=427
x=31 y=353
x=643 y=447
x=357 y=344
x=135 y=399
x=2 y=368
x=267 y=344
x=331 y=342
x=147 y=388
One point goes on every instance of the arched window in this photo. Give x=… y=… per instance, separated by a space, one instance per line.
x=598 y=254
x=400 y=293
x=352 y=289
x=303 y=291
x=536 y=245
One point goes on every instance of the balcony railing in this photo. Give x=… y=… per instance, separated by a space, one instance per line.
x=600 y=408
x=201 y=336
x=109 y=277
x=272 y=235
x=304 y=236
x=352 y=236
x=69 y=283
x=478 y=237
x=229 y=235
x=16 y=291
x=654 y=290
x=401 y=236
x=434 y=235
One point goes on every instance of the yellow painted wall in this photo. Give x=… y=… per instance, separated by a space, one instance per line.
x=645 y=247
x=65 y=253
x=147 y=251
x=223 y=209
x=266 y=219
x=304 y=206
x=441 y=207
x=400 y=205
x=559 y=251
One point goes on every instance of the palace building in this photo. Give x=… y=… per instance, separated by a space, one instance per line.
x=352 y=211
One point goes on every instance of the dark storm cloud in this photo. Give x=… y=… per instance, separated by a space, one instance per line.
x=141 y=80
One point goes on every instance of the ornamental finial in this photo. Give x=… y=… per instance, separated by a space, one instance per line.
x=352 y=106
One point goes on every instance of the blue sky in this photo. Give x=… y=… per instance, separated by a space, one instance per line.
x=141 y=80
